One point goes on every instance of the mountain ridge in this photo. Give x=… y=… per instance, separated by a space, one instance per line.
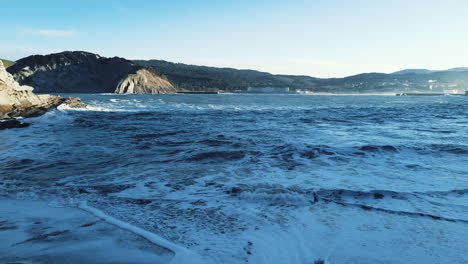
x=194 y=77
x=86 y=72
x=426 y=71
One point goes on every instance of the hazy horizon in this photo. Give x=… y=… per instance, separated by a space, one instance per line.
x=314 y=38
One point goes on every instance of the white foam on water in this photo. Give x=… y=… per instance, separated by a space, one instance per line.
x=342 y=235
x=289 y=155
x=66 y=107
x=54 y=116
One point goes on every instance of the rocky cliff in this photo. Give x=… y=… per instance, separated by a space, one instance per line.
x=144 y=81
x=84 y=72
x=19 y=100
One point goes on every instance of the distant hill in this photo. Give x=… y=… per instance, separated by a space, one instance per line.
x=426 y=71
x=414 y=71
x=193 y=77
x=7 y=63
x=84 y=72
x=459 y=69
x=437 y=81
x=197 y=78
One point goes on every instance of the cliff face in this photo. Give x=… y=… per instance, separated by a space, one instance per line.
x=15 y=98
x=144 y=82
x=84 y=72
x=19 y=100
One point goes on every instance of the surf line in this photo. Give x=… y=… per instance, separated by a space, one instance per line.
x=181 y=254
x=389 y=211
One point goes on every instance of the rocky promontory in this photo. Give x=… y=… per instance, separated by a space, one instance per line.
x=84 y=72
x=19 y=100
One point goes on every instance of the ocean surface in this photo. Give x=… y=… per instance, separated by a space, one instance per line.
x=260 y=178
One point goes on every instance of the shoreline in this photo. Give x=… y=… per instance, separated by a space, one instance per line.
x=43 y=232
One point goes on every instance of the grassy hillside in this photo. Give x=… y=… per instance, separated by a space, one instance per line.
x=7 y=63
x=199 y=78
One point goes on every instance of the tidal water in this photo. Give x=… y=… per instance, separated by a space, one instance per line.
x=208 y=171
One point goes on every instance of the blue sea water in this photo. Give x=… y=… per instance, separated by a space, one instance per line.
x=202 y=170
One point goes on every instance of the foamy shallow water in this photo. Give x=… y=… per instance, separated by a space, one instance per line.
x=260 y=178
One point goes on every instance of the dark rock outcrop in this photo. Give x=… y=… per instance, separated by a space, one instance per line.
x=12 y=123
x=84 y=72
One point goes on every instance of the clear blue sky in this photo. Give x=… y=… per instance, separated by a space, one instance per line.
x=324 y=38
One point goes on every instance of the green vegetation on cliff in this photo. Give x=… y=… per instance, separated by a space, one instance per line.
x=202 y=78
x=7 y=63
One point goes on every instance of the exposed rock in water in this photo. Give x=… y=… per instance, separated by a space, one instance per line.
x=72 y=102
x=84 y=72
x=20 y=101
x=12 y=124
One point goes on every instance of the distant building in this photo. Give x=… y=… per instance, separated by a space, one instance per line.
x=267 y=90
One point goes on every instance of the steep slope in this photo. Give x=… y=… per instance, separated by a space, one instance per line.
x=7 y=63
x=144 y=81
x=84 y=72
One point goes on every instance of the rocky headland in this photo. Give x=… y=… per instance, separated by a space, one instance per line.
x=84 y=72
x=19 y=101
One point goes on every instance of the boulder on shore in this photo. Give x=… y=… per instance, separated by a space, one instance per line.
x=19 y=100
